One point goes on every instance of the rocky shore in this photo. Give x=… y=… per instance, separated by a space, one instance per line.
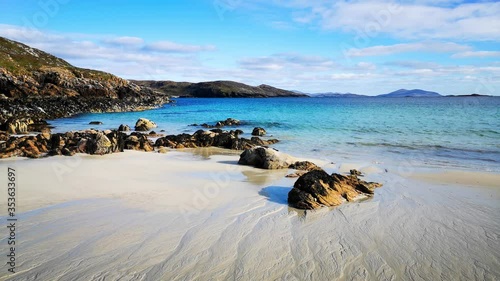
x=111 y=141
x=313 y=189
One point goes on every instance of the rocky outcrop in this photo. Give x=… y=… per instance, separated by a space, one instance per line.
x=258 y=131
x=38 y=85
x=214 y=137
x=317 y=188
x=144 y=124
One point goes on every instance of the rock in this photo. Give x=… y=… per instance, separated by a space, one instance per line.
x=144 y=124
x=316 y=189
x=117 y=140
x=258 y=131
x=214 y=137
x=138 y=141
x=305 y=166
x=296 y=174
x=123 y=128
x=220 y=124
x=39 y=125
x=45 y=133
x=162 y=149
x=95 y=123
x=100 y=145
x=67 y=152
x=17 y=125
x=265 y=158
x=355 y=172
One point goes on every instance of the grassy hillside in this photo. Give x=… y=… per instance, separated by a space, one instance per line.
x=20 y=59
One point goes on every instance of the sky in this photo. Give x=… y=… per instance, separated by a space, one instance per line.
x=364 y=47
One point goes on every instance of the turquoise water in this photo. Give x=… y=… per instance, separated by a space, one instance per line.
x=435 y=132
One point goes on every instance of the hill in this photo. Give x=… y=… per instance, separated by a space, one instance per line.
x=37 y=84
x=217 y=89
x=337 y=95
x=403 y=93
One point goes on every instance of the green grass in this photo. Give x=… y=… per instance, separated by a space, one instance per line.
x=20 y=59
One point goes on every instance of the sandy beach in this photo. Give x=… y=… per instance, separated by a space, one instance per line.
x=198 y=216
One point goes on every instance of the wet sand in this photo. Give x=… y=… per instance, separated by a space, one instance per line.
x=184 y=216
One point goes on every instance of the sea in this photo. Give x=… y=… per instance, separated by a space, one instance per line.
x=439 y=132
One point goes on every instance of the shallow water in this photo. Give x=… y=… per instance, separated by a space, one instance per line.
x=450 y=132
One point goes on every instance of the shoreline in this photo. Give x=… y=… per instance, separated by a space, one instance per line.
x=197 y=161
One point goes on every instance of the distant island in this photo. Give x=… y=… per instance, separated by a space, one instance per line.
x=401 y=93
x=337 y=95
x=216 y=89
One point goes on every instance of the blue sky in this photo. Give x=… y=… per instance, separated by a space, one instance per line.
x=365 y=47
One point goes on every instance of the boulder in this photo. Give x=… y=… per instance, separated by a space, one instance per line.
x=95 y=123
x=144 y=124
x=265 y=158
x=316 y=189
x=138 y=141
x=355 y=172
x=100 y=145
x=124 y=128
x=258 y=131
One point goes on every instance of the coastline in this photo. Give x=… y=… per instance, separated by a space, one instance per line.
x=144 y=214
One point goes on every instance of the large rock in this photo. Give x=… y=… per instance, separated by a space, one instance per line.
x=100 y=145
x=144 y=124
x=266 y=158
x=124 y=128
x=316 y=189
x=258 y=131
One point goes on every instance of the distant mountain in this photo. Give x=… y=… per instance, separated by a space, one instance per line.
x=336 y=95
x=402 y=93
x=217 y=89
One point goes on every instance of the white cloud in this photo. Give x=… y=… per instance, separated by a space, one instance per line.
x=125 y=41
x=436 y=47
x=287 y=61
x=477 y=54
x=351 y=76
x=416 y=20
x=172 y=47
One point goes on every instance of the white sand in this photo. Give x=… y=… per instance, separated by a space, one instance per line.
x=179 y=216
